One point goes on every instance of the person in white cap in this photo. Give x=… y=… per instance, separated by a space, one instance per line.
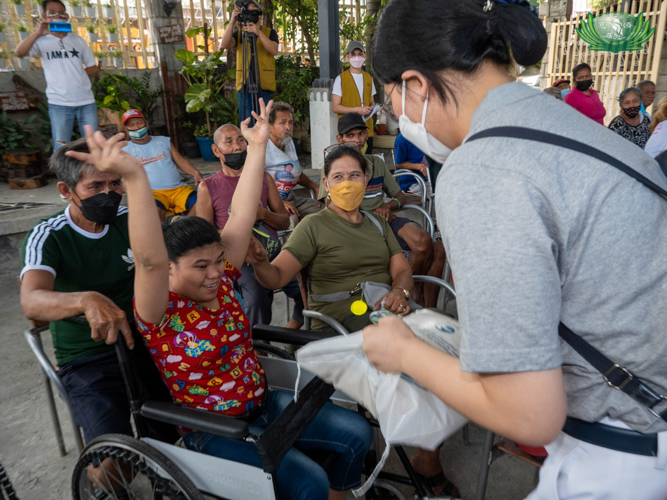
x=354 y=90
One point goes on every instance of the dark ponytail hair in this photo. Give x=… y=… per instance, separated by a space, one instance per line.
x=183 y=234
x=434 y=35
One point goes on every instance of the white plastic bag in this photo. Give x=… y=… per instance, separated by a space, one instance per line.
x=407 y=413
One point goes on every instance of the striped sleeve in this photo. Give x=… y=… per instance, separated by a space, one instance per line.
x=40 y=248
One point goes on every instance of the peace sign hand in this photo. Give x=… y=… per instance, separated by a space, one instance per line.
x=107 y=155
x=259 y=134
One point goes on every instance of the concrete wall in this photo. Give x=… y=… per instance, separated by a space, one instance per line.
x=36 y=79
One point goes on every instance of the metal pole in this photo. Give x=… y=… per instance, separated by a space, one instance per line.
x=484 y=466
x=328 y=23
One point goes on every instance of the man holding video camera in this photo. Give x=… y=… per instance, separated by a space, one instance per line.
x=249 y=15
x=68 y=63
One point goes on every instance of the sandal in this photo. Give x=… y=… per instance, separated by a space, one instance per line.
x=438 y=481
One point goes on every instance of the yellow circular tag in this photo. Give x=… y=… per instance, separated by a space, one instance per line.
x=358 y=307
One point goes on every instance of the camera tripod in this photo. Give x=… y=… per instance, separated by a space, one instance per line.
x=251 y=84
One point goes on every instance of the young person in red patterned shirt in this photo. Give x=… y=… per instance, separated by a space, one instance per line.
x=199 y=337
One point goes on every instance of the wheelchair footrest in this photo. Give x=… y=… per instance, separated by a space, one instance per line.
x=201 y=420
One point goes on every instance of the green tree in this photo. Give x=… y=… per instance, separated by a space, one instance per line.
x=302 y=13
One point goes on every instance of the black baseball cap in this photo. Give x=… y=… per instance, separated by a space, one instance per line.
x=349 y=122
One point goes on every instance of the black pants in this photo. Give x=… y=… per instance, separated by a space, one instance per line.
x=98 y=396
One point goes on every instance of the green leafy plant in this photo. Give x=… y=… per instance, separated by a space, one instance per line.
x=3 y=27
x=87 y=3
x=14 y=134
x=109 y=94
x=109 y=4
x=293 y=80
x=120 y=93
x=5 y=55
x=21 y=28
x=144 y=97
x=75 y=3
x=91 y=28
x=17 y=2
x=111 y=28
x=116 y=53
x=205 y=91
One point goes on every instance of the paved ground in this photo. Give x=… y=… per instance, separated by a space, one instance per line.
x=27 y=445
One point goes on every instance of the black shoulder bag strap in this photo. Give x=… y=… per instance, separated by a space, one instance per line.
x=614 y=374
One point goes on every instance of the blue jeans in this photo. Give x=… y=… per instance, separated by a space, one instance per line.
x=264 y=94
x=334 y=429
x=62 y=121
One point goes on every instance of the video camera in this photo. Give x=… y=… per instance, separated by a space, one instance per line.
x=247 y=14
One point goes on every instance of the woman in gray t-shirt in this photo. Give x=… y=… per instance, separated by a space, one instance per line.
x=536 y=235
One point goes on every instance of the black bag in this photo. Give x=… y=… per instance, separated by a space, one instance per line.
x=269 y=241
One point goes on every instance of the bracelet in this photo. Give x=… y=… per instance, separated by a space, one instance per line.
x=396 y=200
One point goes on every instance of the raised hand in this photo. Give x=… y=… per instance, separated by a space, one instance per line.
x=43 y=29
x=259 y=134
x=107 y=155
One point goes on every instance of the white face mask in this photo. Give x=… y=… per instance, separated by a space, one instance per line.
x=416 y=133
x=357 y=61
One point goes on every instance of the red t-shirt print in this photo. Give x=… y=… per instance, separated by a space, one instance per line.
x=206 y=356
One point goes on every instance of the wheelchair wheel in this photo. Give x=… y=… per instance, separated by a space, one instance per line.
x=139 y=472
x=6 y=489
x=384 y=490
x=272 y=351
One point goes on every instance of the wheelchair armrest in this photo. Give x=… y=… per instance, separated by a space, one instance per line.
x=202 y=420
x=288 y=335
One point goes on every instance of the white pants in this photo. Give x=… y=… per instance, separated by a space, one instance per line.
x=583 y=471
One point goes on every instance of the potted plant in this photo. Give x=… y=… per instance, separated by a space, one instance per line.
x=23 y=163
x=3 y=58
x=24 y=62
x=117 y=58
x=101 y=57
x=3 y=28
x=19 y=8
x=190 y=147
x=77 y=10
x=205 y=93
x=112 y=36
x=91 y=9
x=108 y=10
x=92 y=35
x=23 y=31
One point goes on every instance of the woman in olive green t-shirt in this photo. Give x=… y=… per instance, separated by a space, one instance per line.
x=340 y=247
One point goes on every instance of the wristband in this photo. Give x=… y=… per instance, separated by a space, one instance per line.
x=399 y=203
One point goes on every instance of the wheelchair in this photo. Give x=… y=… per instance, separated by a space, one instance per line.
x=143 y=467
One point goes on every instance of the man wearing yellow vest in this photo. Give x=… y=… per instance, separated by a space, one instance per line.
x=267 y=50
x=354 y=90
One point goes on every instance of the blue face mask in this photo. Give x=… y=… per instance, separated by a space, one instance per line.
x=563 y=93
x=138 y=134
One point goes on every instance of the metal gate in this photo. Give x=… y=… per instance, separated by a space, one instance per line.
x=611 y=72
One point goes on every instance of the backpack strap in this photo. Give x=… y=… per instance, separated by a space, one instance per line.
x=615 y=375
x=374 y=221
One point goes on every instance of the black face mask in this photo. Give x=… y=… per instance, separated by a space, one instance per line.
x=101 y=208
x=235 y=161
x=584 y=85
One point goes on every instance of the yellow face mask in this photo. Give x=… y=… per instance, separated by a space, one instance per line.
x=347 y=195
